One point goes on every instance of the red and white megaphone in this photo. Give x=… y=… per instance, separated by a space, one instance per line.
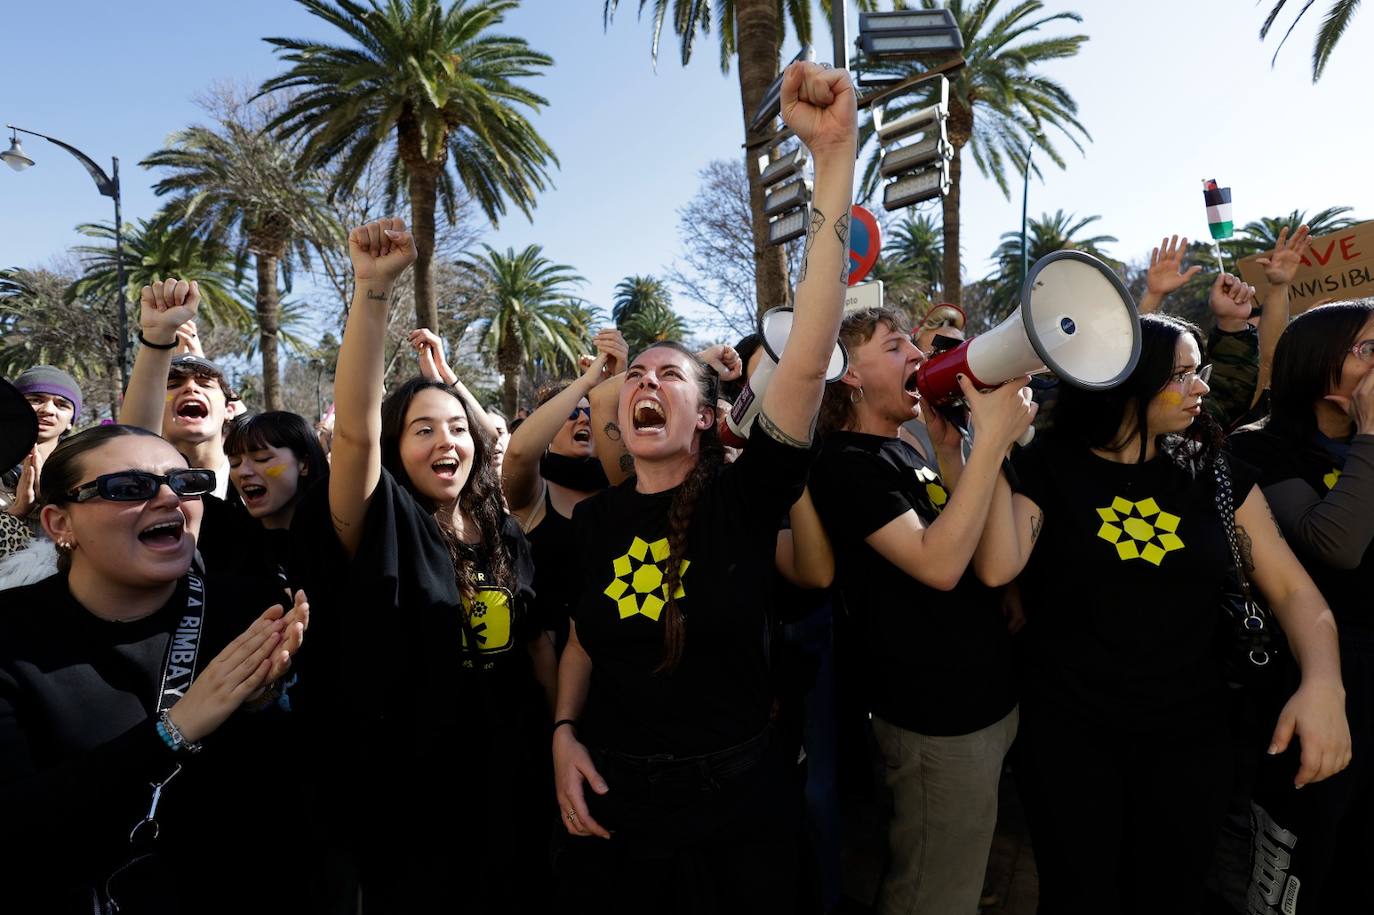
x=774 y=327
x=1076 y=319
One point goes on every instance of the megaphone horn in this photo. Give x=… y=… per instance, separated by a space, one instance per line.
x=1076 y=319
x=774 y=327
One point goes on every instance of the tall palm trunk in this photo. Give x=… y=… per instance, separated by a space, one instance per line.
x=268 y=306
x=951 y=283
x=759 y=34
x=508 y=363
x=423 y=188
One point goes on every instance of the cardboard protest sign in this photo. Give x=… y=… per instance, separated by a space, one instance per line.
x=1336 y=267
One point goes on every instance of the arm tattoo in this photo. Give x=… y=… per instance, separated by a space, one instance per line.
x=627 y=462
x=1037 y=521
x=842 y=233
x=339 y=523
x=374 y=296
x=817 y=220
x=612 y=431
x=1275 y=520
x=1247 y=550
x=771 y=429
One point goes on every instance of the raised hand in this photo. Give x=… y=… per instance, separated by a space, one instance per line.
x=241 y=670
x=380 y=251
x=819 y=104
x=26 y=491
x=433 y=364
x=1231 y=299
x=188 y=339
x=1281 y=265
x=164 y=306
x=1166 y=272
x=723 y=358
x=611 y=342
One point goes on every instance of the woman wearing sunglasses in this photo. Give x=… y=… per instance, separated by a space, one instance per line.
x=1315 y=453
x=127 y=688
x=550 y=467
x=1124 y=750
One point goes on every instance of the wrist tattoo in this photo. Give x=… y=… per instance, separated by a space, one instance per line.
x=375 y=296
x=817 y=220
x=772 y=430
x=612 y=431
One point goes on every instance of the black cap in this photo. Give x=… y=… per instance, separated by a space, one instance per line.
x=18 y=425
x=193 y=364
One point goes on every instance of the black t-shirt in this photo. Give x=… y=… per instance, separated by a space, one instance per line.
x=79 y=750
x=936 y=662
x=1280 y=459
x=720 y=694
x=1123 y=589
x=555 y=569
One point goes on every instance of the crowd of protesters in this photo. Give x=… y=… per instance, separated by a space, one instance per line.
x=601 y=662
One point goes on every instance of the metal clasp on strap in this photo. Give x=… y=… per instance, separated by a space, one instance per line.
x=151 y=818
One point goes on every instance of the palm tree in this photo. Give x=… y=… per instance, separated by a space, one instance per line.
x=1263 y=234
x=153 y=250
x=635 y=293
x=444 y=86
x=753 y=31
x=654 y=323
x=1043 y=236
x=244 y=189
x=529 y=317
x=1332 y=28
x=999 y=106
x=915 y=251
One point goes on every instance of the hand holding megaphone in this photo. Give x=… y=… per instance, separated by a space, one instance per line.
x=1002 y=415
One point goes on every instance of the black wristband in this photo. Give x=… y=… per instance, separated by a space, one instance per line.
x=562 y=721
x=151 y=345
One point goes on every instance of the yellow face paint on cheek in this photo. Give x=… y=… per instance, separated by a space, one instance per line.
x=171 y=397
x=1170 y=398
x=275 y=470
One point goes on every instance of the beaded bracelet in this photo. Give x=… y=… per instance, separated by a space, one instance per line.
x=178 y=741
x=166 y=737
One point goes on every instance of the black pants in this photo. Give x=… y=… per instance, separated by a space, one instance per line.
x=716 y=834
x=1313 y=848
x=1121 y=822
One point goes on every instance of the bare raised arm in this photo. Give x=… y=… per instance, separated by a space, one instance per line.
x=1280 y=267
x=434 y=367
x=380 y=252
x=819 y=105
x=164 y=306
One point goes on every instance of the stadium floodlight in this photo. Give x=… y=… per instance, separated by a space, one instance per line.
x=786 y=196
x=933 y=147
x=788 y=226
x=917 y=187
x=783 y=167
x=918 y=121
x=908 y=34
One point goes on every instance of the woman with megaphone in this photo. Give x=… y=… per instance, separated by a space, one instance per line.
x=669 y=777
x=906 y=527
x=1124 y=556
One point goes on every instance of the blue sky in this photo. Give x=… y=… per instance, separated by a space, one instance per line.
x=1172 y=91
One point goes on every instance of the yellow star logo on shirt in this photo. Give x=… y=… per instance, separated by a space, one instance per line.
x=1331 y=478
x=1133 y=519
x=638 y=586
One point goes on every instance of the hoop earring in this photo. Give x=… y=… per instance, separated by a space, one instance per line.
x=860 y=392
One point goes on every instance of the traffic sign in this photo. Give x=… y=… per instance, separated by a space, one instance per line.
x=865 y=243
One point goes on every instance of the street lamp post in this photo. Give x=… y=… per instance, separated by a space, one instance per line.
x=1025 y=198
x=109 y=187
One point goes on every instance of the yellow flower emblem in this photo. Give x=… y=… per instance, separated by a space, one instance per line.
x=638 y=586
x=1149 y=532
x=1331 y=478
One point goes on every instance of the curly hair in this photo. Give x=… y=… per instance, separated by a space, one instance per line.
x=857 y=328
x=480 y=499
x=710 y=461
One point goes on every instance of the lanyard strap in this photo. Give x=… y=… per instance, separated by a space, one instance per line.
x=183 y=650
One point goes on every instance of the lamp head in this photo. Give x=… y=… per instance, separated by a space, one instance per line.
x=14 y=156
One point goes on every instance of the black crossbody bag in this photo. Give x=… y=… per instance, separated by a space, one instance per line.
x=1250 y=642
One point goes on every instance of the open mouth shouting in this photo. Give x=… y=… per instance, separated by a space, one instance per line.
x=192 y=410
x=253 y=493
x=647 y=416
x=165 y=535
x=445 y=468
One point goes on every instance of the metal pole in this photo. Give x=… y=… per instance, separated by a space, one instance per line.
x=839 y=28
x=120 y=292
x=1025 y=198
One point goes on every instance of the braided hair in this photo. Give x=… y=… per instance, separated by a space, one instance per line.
x=710 y=460
x=480 y=499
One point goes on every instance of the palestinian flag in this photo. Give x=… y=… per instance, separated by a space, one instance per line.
x=1218 y=200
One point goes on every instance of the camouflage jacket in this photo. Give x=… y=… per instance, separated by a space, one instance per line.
x=1235 y=372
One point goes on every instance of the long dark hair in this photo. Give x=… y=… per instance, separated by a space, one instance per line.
x=279 y=429
x=710 y=460
x=1308 y=363
x=65 y=468
x=480 y=499
x=1114 y=419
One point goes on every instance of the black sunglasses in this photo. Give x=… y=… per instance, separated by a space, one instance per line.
x=140 y=486
x=572 y=417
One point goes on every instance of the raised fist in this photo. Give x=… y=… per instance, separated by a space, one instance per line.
x=166 y=305
x=380 y=251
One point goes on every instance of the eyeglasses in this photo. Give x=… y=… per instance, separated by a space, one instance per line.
x=572 y=417
x=1363 y=351
x=1184 y=378
x=140 y=486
